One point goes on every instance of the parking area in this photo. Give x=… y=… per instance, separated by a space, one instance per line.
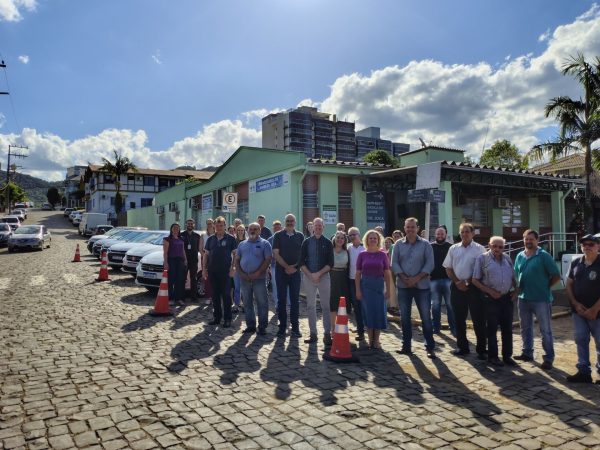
x=82 y=364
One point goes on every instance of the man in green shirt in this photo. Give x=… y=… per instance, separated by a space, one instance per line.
x=536 y=273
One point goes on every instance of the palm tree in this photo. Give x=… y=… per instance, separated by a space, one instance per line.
x=121 y=166
x=579 y=122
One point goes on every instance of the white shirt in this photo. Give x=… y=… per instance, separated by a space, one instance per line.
x=461 y=259
x=354 y=252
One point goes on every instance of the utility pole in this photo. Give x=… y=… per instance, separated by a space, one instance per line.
x=3 y=66
x=16 y=155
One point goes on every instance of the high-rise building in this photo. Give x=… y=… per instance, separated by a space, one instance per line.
x=321 y=135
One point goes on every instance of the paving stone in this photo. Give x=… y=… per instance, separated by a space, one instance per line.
x=86 y=439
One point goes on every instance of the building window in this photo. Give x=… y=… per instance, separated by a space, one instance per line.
x=112 y=201
x=108 y=178
x=545 y=214
x=243 y=211
x=131 y=178
x=131 y=205
x=516 y=215
x=309 y=200
x=146 y=202
x=344 y=200
x=475 y=211
x=148 y=181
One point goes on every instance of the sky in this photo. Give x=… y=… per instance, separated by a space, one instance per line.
x=187 y=82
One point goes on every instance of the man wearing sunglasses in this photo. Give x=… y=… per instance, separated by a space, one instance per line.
x=583 y=290
x=495 y=278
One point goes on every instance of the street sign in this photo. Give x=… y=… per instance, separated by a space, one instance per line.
x=428 y=175
x=426 y=195
x=229 y=202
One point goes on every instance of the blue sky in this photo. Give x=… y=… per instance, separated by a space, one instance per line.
x=186 y=81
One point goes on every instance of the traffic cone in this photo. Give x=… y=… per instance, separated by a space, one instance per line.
x=161 y=306
x=103 y=276
x=77 y=257
x=340 y=349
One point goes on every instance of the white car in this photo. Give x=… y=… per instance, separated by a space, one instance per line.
x=13 y=221
x=77 y=218
x=21 y=212
x=114 y=231
x=116 y=252
x=150 y=268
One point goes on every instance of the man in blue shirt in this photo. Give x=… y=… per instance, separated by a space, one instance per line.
x=536 y=273
x=252 y=261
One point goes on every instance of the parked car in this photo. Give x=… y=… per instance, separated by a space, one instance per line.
x=20 y=214
x=92 y=240
x=47 y=207
x=22 y=205
x=90 y=220
x=68 y=211
x=13 y=221
x=23 y=210
x=104 y=244
x=30 y=236
x=101 y=229
x=149 y=271
x=135 y=254
x=77 y=218
x=5 y=233
x=116 y=252
x=74 y=213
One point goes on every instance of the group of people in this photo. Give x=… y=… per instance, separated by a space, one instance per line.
x=373 y=272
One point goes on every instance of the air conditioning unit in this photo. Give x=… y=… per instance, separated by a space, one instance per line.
x=502 y=202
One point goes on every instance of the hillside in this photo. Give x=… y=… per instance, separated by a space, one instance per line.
x=36 y=188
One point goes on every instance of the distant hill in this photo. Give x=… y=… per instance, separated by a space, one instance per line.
x=36 y=188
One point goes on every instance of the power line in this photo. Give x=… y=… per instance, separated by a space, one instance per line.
x=12 y=105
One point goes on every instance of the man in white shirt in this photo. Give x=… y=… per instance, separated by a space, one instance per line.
x=465 y=297
x=355 y=247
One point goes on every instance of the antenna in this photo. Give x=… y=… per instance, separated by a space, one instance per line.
x=423 y=144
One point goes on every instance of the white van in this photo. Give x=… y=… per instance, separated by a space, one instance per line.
x=90 y=221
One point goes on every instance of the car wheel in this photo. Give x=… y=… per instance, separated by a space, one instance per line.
x=49 y=242
x=10 y=250
x=152 y=290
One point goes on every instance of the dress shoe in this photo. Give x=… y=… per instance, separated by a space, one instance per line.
x=460 y=352
x=214 y=322
x=327 y=340
x=495 y=361
x=296 y=334
x=249 y=330
x=360 y=337
x=431 y=354
x=312 y=339
x=523 y=357
x=509 y=361
x=227 y=324
x=481 y=356
x=547 y=365
x=404 y=351
x=261 y=332
x=580 y=378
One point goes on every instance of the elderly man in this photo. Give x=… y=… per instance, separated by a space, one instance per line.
x=465 y=297
x=287 y=245
x=252 y=261
x=495 y=278
x=583 y=290
x=536 y=273
x=218 y=260
x=316 y=260
x=412 y=263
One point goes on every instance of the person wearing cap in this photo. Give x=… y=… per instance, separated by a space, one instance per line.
x=495 y=278
x=583 y=290
x=536 y=273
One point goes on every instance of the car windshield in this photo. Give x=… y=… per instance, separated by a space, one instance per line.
x=9 y=219
x=159 y=239
x=4 y=227
x=29 y=229
x=150 y=237
x=129 y=236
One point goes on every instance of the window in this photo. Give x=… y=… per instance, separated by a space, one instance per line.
x=344 y=200
x=131 y=205
x=146 y=202
x=108 y=178
x=545 y=214
x=475 y=211
x=131 y=178
x=112 y=201
x=243 y=211
x=148 y=181
x=516 y=215
x=309 y=200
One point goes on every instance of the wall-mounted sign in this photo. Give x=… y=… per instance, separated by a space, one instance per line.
x=426 y=195
x=330 y=214
x=266 y=184
x=207 y=202
x=375 y=209
x=229 y=202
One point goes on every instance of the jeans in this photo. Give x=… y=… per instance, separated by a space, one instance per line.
x=440 y=289
x=499 y=313
x=192 y=270
x=288 y=286
x=176 y=279
x=221 y=294
x=583 y=328
x=236 y=288
x=324 y=288
x=543 y=313
x=423 y=301
x=463 y=303
x=360 y=323
x=256 y=290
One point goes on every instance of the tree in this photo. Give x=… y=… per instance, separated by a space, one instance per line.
x=380 y=157
x=53 y=196
x=17 y=194
x=579 y=123
x=121 y=166
x=503 y=154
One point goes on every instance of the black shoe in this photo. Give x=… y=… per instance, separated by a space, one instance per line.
x=481 y=356
x=249 y=330
x=509 y=361
x=261 y=332
x=296 y=334
x=495 y=361
x=327 y=340
x=234 y=310
x=546 y=365
x=281 y=333
x=523 y=357
x=431 y=354
x=360 y=337
x=227 y=324
x=404 y=351
x=460 y=352
x=580 y=378
x=312 y=339
x=214 y=322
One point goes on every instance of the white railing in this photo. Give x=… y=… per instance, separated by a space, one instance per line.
x=553 y=243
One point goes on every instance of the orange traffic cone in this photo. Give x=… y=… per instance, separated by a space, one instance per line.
x=77 y=257
x=340 y=350
x=103 y=276
x=161 y=306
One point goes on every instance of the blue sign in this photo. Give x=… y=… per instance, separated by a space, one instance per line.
x=375 y=209
x=269 y=183
x=207 y=202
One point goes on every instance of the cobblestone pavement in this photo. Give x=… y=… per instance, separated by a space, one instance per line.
x=83 y=365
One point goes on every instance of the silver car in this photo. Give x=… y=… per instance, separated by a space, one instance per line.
x=5 y=233
x=30 y=236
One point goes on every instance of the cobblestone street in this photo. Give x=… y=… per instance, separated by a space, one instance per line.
x=82 y=364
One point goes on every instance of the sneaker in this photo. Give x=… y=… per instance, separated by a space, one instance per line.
x=509 y=361
x=312 y=339
x=327 y=340
x=495 y=361
x=208 y=301
x=296 y=334
x=580 y=378
x=523 y=357
x=234 y=310
x=431 y=354
x=546 y=365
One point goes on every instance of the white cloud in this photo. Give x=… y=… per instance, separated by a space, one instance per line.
x=544 y=36
x=156 y=58
x=10 y=10
x=24 y=59
x=2 y=120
